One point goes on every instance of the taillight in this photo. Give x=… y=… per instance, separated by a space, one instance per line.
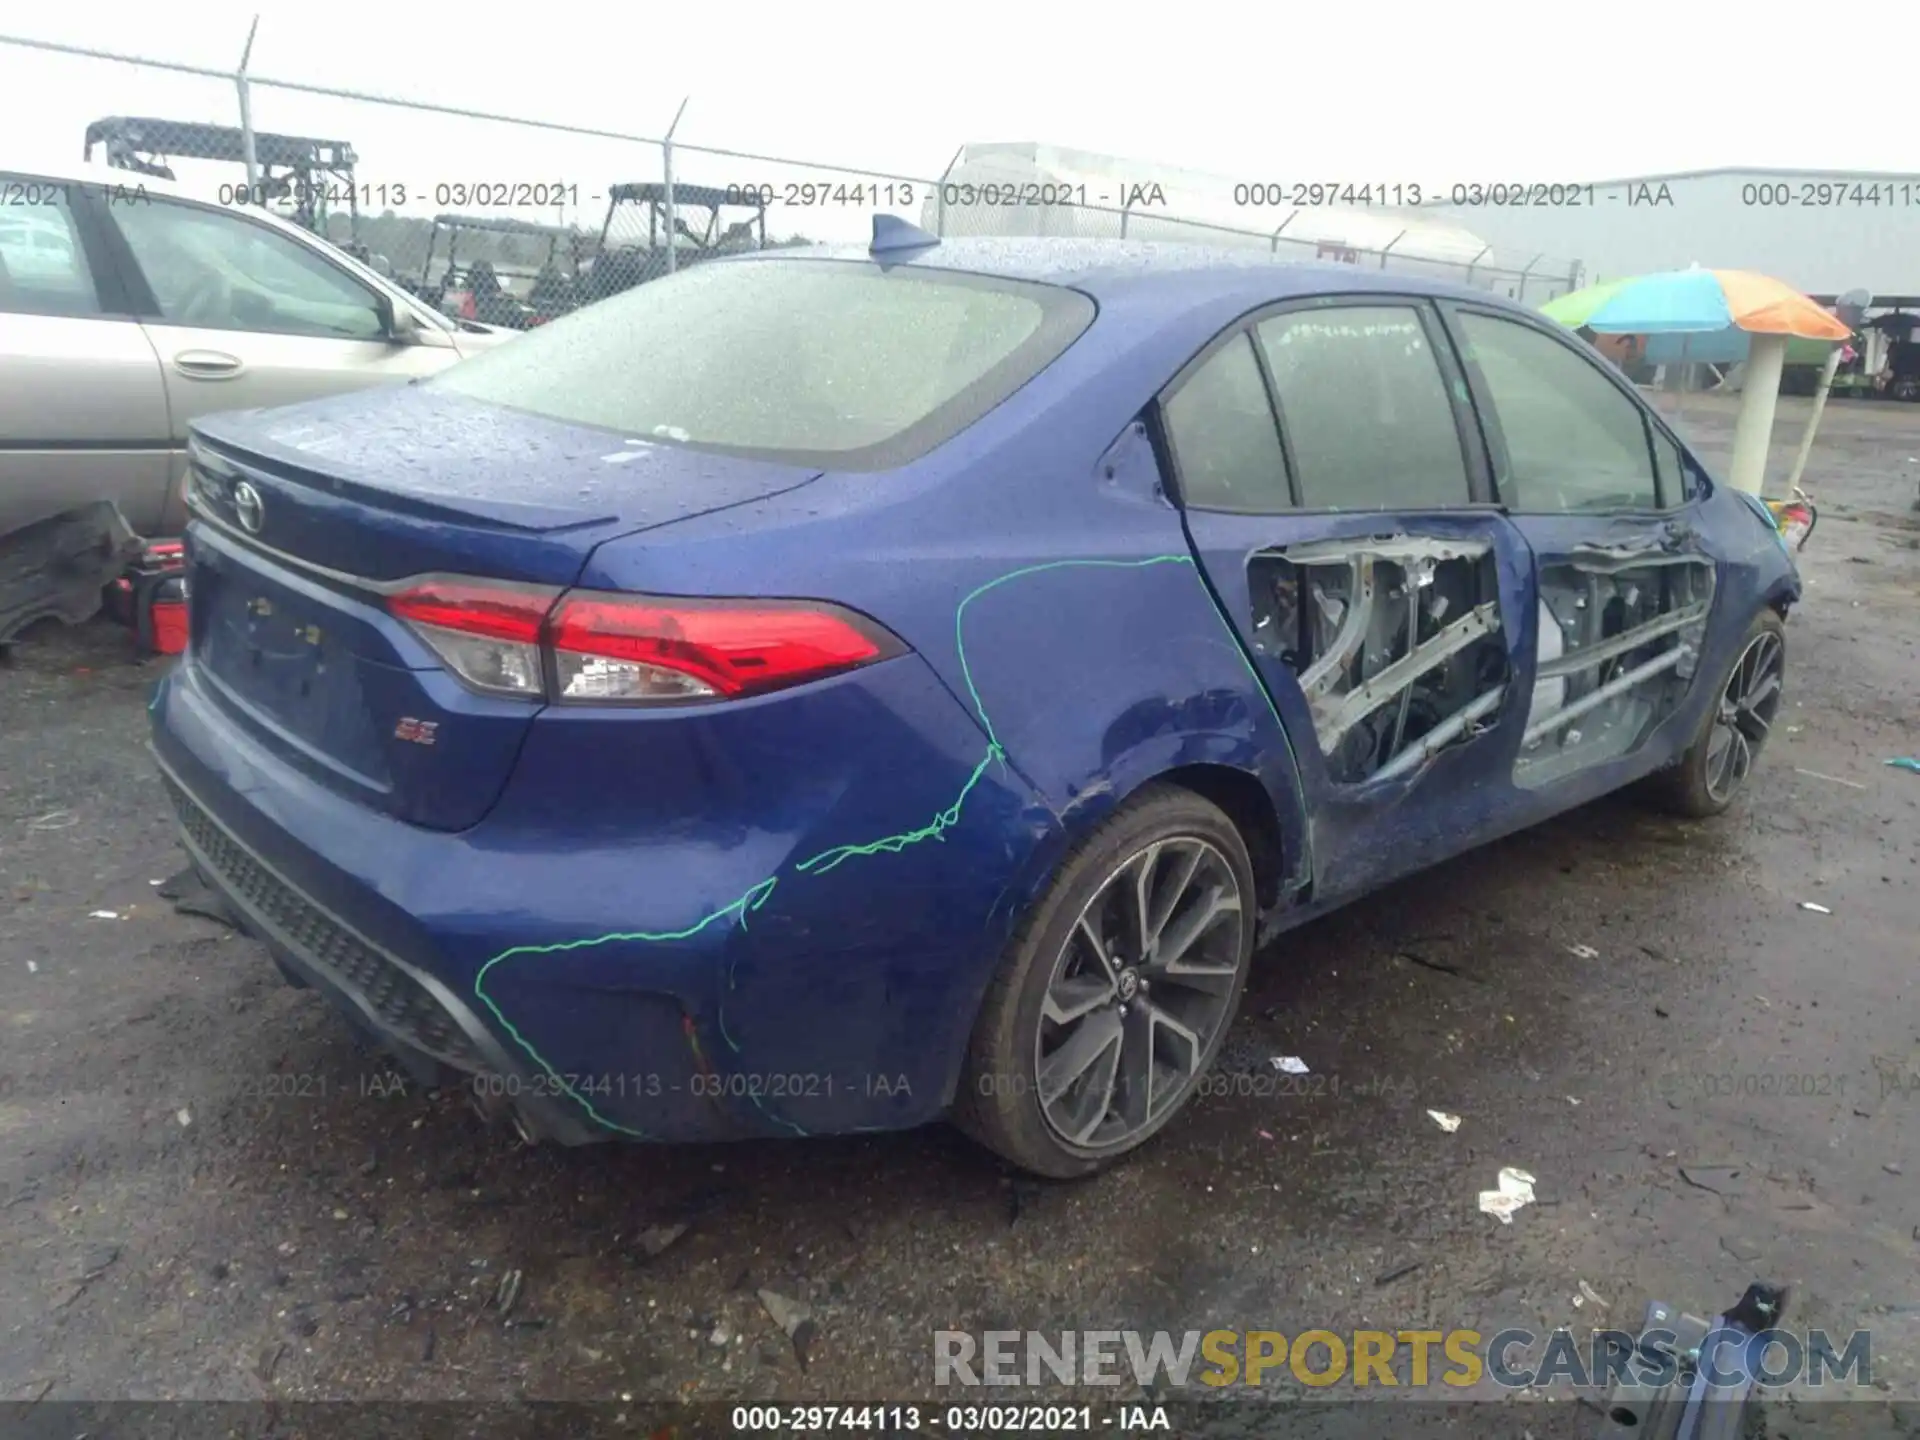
x=489 y=635
x=623 y=647
x=628 y=649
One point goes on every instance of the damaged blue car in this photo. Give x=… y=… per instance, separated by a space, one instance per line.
x=835 y=689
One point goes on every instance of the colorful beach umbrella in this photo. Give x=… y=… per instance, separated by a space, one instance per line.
x=1696 y=302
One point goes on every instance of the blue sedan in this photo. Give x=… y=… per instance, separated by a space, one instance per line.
x=832 y=690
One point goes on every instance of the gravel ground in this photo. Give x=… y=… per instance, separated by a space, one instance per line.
x=208 y=1192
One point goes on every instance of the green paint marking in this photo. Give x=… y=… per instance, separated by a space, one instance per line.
x=934 y=829
x=826 y=860
x=752 y=900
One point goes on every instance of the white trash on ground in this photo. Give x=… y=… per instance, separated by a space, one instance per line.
x=1516 y=1189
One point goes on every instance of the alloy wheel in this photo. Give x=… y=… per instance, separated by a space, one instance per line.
x=1138 y=993
x=1747 y=709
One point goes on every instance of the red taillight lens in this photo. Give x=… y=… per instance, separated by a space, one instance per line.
x=625 y=648
x=489 y=635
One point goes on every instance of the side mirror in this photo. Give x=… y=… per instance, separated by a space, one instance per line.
x=397 y=322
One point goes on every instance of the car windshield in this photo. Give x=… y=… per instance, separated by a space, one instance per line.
x=831 y=363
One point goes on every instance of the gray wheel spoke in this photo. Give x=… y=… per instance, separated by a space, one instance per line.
x=1741 y=754
x=1200 y=917
x=1069 y=999
x=1159 y=1059
x=1734 y=762
x=1091 y=939
x=1141 y=917
x=1077 y=1080
x=1173 y=886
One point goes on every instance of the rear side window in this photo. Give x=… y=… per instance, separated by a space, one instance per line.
x=830 y=363
x=1365 y=409
x=1573 y=441
x=43 y=270
x=1225 y=443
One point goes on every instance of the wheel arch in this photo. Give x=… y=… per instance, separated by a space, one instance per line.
x=1259 y=791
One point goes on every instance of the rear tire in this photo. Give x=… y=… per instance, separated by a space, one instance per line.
x=1115 y=993
x=1715 y=768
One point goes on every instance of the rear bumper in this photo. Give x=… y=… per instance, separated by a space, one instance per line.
x=599 y=974
x=404 y=1008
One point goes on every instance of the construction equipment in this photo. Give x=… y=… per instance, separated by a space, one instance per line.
x=493 y=289
x=309 y=176
x=695 y=234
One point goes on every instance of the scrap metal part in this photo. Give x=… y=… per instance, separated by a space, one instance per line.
x=1668 y=1394
x=60 y=567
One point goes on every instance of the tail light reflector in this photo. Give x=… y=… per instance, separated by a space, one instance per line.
x=489 y=635
x=586 y=647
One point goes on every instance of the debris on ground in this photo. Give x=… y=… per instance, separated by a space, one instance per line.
x=1583 y=952
x=508 y=1292
x=184 y=1116
x=1290 y=1064
x=1717 y=1179
x=792 y=1317
x=66 y=819
x=97 y=1260
x=1399 y=1272
x=1516 y=1190
x=655 y=1239
x=1816 y=909
x=104 y=915
x=191 y=895
x=1593 y=1295
x=1830 y=779
x=1446 y=1122
x=1905 y=762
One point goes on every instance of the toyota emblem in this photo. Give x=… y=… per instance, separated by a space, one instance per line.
x=248 y=508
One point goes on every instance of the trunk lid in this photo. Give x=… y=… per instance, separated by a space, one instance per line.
x=317 y=508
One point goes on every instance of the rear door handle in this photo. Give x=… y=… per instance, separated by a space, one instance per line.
x=207 y=364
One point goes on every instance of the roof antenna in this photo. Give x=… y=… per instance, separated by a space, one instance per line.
x=893 y=237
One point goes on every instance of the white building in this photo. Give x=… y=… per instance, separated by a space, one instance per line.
x=1825 y=232
x=1023 y=188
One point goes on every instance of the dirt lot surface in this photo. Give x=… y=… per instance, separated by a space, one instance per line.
x=208 y=1192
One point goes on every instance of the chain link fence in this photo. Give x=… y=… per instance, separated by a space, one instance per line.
x=514 y=221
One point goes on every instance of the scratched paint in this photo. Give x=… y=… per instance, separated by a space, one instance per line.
x=826 y=860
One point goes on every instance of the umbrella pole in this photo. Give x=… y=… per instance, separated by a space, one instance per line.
x=1680 y=394
x=1827 y=373
x=1753 y=427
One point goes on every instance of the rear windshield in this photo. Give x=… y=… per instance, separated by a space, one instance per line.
x=836 y=364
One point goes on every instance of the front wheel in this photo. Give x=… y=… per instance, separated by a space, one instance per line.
x=1715 y=767
x=1116 y=991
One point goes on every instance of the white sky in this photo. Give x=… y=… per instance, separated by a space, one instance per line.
x=1382 y=91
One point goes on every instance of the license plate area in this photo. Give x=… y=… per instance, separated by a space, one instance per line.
x=283 y=659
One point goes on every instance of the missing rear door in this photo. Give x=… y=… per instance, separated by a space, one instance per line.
x=1396 y=643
